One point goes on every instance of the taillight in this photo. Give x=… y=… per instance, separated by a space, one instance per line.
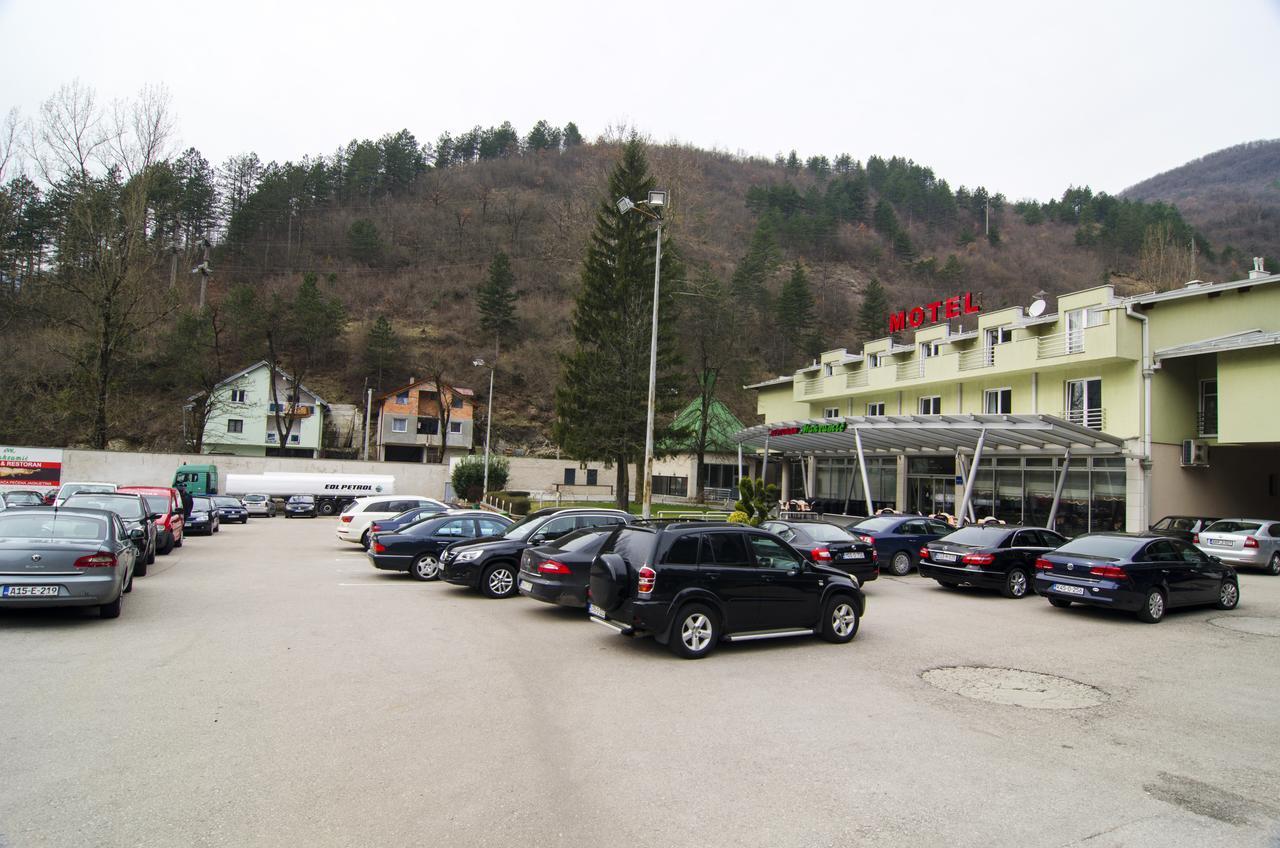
x=378 y=547
x=1113 y=572
x=1043 y=564
x=1250 y=542
x=97 y=561
x=924 y=552
x=821 y=553
x=1195 y=538
x=648 y=577
x=346 y=519
x=552 y=567
x=978 y=559
x=868 y=539
x=375 y=528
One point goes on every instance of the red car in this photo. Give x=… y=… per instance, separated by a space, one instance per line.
x=166 y=503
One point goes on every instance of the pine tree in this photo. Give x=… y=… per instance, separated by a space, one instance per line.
x=873 y=315
x=793 y=162
x=602 y=398
x=749 y=284
x=496 y=300
x=903 y=248
x=572 y=138
x=884 y=219
x=381 y=349
x=796 y=318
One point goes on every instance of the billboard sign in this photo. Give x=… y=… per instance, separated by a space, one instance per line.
x=30 y=467
x=927 y=313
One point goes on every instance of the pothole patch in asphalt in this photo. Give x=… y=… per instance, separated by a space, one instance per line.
x=1253 y=625
x=1015 y=687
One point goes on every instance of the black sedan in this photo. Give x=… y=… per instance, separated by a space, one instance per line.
x=397 y=523
x=230 y=509
x=827 y=544
x=558 y=572
x=203 y=517
x=300 y=506
x=1184 y=527
x=990 y=556
x=416 y=548
x=135 y=513
x=22 y=498
x=1142 y=574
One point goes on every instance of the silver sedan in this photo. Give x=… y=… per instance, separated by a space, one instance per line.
x=1243 y=542
x=65 y=558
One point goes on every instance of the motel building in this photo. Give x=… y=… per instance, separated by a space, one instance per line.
x=1097 y=413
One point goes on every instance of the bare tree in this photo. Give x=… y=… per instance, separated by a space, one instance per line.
x=69 y=136
x=8 y=140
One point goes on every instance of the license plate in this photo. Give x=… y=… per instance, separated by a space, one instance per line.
x=853 y=555
x=944 y=557
x=596 y=611
x=1225 y=543
x=526 y=586
x=29 y=592
x=1068 y=590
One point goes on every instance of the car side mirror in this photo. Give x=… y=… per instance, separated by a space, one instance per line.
x=538 y=538
x=136 y=533
x=156 y=516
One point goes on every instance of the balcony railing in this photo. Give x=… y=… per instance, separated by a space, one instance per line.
x=910 y=370
x=1207 y=424
x=1094 y=419
x=1060 y=344
x=813 y=387
x=856 y=379
x=983 y=357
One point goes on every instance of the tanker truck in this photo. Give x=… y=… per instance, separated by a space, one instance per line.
x=331 y=491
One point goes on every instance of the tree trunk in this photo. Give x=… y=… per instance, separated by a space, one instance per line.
x=622 y=484
x=100 y=429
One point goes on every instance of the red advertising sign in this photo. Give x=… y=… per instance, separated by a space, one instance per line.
x=952 y=307
x=33 y=467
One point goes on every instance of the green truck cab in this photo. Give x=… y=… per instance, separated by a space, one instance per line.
x=197 y=479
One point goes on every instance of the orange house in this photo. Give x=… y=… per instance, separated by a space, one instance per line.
x=411 y=420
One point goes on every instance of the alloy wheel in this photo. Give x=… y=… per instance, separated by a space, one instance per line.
x=1017 y=584
x=843 y=619
x=1273 y=567
x=1228 y=595
x=501 y=581
x=695 y=633
x=901 y=563
x=426 y=568
x=1155 y=605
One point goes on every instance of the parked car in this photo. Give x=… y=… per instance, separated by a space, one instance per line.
x=1253 y=542
x=22 y=498
x=990 y=556
x=397 y=523
x=829 y=544
x=353 y=524
x=259 y=505
x=230 y=509
x=898 y=538
x=416 y=548
x=559 y=571
x=136 y=514
x=300 y=506
x=692 y=585
x=1184 y=527
x=204 y=516
x=167 y=504
x=66 y=490
x=491 y=565
x=1144 y=574
x=68 y=557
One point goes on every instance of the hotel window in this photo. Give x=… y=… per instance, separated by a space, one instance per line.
x=235 y=425
x=873 y=360
x=399 y=425
x=931 y=405
x=828 y=369
x=1084 y=403
x=998 y=336
x=455 y=427
x=1209 y=409
x=875 y=408
x=928 y=349
x=997 y=401
x=831 y=412
x=237 y=395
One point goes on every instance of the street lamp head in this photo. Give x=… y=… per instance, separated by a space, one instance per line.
x=658 y=198
x=625 y=205
x=478 y=362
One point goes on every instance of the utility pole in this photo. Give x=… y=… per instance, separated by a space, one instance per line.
x=173 y=267
x=986 y=227
x=368 y=405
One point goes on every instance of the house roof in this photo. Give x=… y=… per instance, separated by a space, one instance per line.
x=426 y=385
x=776 y=381
x=1200 y=288
x=722 y=425
x=1220 y=344
x=262 y=363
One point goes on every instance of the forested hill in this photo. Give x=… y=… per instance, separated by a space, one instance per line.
x=1232 y=196
x=402 y=231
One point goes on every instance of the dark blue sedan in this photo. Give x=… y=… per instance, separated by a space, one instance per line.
x=230 y=509
x=398 y=523
x=1143 y=574
x=898 y=538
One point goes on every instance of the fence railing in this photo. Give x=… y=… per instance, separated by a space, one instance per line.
x=812 y=387
x=1094 y=419
x=856 y=379
x=1060 y=344
x=983 y=357
x=1207 y=424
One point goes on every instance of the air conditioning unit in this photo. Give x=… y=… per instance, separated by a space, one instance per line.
x=1195 y=454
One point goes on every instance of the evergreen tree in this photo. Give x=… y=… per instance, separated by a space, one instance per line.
x=572 y=138
x=543 y=136
x=793 y=162
x=602 y=398
x=953 y=271
x=749 y=284
x=364 y=242
x=873 y=315
x=381 y=349
x=496 y=300
x=903 y=248
x=795 y=318
x=884 y=220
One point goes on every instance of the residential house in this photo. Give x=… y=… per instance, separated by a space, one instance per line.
x=410 y=420
x=243 y=418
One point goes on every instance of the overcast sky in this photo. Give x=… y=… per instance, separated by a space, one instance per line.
x=1024 y=97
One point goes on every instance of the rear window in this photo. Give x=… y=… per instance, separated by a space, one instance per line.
x=1174 y=522
x=125 y=507
x=978 y=537
x=1231 y=526
x=633 y=544
x=582 y=539
x=877 y=524
x=254 y=498
x=1101 y=547
x=826 y=533
x=47 y=525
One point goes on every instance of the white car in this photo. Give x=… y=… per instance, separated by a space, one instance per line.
x=353 y=524
x=66 y=490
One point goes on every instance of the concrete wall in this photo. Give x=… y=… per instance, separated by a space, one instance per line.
x=1239 y=482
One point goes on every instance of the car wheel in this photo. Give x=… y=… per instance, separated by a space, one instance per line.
x=696 y=632
x=499 y=581
x=364 y=540
x=425 y=567
x=1016 y=584
x=1228 y=595
x=900 y=565
x=326 y=508
x=112 y=610
x=1153 y=607
x=128 y=586
x=1273 y=567
x=1060 y=603
x=840 y=621
x=151 y=555
x=168 y=546
x=140 y=568
x=177 y=543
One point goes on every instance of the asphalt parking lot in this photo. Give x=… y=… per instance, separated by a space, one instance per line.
x=268 y=687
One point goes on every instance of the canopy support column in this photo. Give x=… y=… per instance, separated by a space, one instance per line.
x=973 y=473
x=848 y=496
x=804 y=478
x=764 y=470
x=1057 y=492
x=740 y=468
x=862 y=466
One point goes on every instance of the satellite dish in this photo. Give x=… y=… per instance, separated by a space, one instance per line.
x=1036 y=309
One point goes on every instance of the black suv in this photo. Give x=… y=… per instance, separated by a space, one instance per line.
x=491 y=565
x=691 y=585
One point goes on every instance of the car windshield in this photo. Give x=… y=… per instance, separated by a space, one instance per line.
x=823 y=532
x=157 y=503
x=877 y=524
x=1230 y=525
x=302 y=499
x=226 y=501
x=201 y=504
x=978 y=537
x=1101 y=547
x=522 y=528
x=51 y=525
x=124 y=506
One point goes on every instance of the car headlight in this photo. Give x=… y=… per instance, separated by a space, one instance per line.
x=467 y=556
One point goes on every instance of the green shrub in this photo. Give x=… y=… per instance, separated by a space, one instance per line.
x=756 y=500
x=468 y=476
x=737 y=517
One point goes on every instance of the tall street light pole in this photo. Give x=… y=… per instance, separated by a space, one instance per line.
x=488 y=424
x=652 y=208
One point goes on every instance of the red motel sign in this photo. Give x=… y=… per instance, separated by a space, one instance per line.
x=952 y=307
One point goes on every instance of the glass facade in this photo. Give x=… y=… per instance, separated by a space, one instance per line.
x=1019 y=490
x=836 y=474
